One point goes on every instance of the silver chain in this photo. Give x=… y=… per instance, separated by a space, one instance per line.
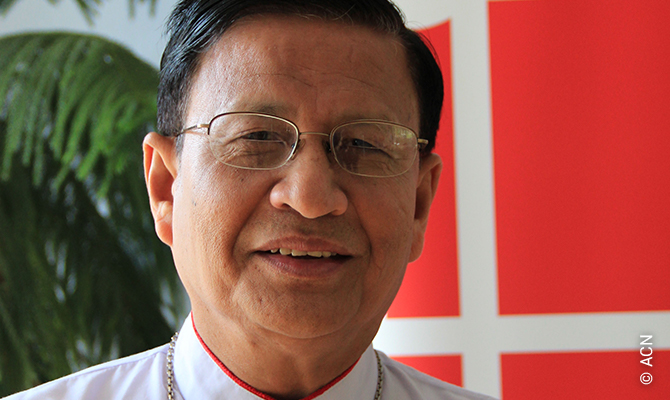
x=170 y=371
x=380 y=377
x=170 y=363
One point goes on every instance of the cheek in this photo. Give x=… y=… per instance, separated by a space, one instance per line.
x=389 y=207
x=386 y=212
x=211 y=207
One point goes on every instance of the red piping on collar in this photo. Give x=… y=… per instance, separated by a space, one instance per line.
x=249 y=388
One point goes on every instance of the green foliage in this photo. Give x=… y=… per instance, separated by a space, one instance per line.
x=83 y=278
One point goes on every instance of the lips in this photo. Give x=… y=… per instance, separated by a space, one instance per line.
x=305 y=257
x=306 y=246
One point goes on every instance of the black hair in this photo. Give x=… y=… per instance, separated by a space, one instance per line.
x=195 y=25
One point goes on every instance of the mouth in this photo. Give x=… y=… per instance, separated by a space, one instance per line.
x=304 y=254
x=313 y=264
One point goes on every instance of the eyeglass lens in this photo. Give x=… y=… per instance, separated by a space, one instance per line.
x=256 y=141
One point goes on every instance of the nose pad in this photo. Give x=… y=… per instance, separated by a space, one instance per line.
x=296 y=150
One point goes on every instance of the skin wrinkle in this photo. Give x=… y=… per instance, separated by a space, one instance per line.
x=399 y=47
x=272 y=329
x=297 y=79
x=256 y=71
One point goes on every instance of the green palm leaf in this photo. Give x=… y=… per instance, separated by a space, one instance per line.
x=82 y=276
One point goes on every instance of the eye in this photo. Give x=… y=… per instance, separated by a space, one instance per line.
x=261 y=136
x=360 y=143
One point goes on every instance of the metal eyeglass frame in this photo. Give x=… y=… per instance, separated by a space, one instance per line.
x=420 y=143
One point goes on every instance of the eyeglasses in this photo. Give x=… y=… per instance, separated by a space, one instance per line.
x=257 y=141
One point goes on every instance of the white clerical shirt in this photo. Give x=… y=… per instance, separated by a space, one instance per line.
x=199 y=375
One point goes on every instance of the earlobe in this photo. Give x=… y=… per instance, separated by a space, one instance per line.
x=160 y=172
x=429 y=176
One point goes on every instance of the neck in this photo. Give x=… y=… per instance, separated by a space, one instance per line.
x=273 y=364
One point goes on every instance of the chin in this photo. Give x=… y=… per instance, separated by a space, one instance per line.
x=307 y=320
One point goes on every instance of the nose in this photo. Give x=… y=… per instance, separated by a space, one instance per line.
x=307 y=185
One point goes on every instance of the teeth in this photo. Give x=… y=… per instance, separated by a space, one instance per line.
x=298 y=253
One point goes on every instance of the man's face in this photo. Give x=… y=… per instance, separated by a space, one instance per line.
x=226 y=222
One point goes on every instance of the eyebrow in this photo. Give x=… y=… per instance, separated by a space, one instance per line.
x=269 y=108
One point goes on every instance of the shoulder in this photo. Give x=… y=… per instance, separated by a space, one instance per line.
x=405 y=382
x=140 y=376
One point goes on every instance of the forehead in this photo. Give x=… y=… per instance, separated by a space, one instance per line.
x=291 y=66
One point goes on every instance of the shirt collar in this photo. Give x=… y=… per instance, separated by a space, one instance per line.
x=199 y=375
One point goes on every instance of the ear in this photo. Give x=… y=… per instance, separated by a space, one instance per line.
x=160 y=172
x=430 y=168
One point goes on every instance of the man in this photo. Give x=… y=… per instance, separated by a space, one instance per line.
x=292 y=181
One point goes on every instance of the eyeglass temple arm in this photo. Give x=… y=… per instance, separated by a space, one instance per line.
x=422 y=143
x=190 y=128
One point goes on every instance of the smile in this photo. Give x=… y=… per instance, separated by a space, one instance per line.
x=312 y=264
x=299 y=253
